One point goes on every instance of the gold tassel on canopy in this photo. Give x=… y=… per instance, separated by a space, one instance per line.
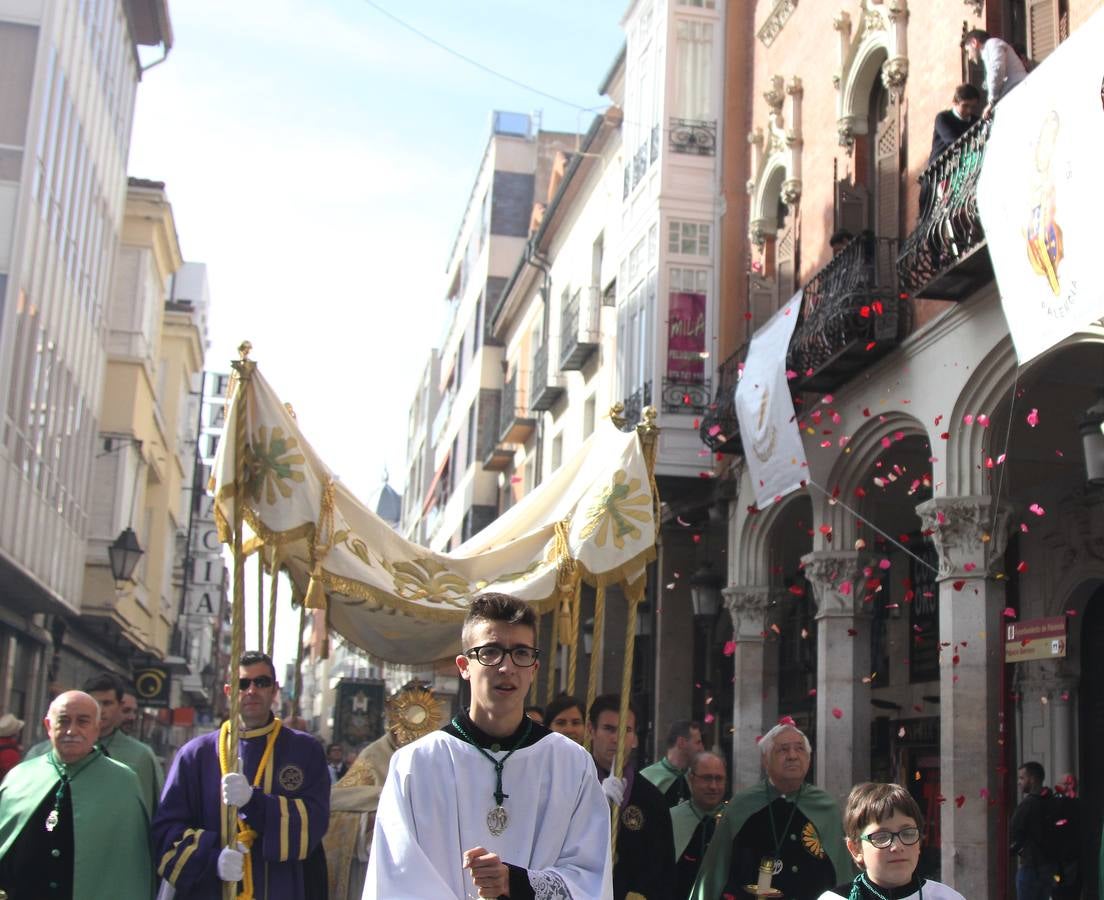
x=320 y=546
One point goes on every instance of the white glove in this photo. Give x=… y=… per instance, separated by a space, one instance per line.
x=236 y=790
x=231 y=863
x=614 y=789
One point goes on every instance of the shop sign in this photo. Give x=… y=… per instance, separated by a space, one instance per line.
x=1035 y=639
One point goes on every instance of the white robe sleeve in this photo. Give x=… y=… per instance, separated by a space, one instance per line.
x=584 y=868
x=398 y=866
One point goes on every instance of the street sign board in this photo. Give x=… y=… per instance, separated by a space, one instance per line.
x=1035 y=639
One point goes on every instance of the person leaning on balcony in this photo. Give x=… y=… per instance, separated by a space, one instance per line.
x=1003 y=68
x=952 y=123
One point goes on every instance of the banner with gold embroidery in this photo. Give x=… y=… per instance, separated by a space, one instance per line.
x=594 y=517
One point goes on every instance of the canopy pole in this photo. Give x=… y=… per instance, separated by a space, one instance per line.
x=595 y=653
x=260 y=597
x=573 y=642
x=635 y=594
x=243 y=369
x=297 y=706
x=648 y=434
x=533 y=693
x=553 y=649
x=270 y=645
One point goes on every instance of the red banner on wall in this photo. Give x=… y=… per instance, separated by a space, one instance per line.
x=686 y=337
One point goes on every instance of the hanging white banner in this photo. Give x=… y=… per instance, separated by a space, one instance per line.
x=764 y=408
x=1041 y=191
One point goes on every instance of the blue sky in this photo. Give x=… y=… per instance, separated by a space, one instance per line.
x=318 y=157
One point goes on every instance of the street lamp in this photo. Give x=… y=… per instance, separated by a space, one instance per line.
x=705 y=598
x=124 y=555
x=1092 y=442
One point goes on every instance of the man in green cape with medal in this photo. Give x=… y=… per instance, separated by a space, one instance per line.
x=781 y=837
x=73 y=823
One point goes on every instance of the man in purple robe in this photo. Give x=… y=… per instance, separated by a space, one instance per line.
x=282 y=793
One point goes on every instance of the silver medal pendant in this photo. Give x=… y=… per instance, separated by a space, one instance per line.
x=52 y=820
x=497 y=820
x=776 y=869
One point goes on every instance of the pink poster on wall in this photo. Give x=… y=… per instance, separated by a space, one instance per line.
x=686 y=337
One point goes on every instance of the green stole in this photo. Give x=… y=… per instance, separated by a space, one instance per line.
x=110 y=823
x=816 y=805
x=685 y=819
x=662 y=774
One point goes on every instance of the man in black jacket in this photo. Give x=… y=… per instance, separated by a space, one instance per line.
x=644 y=864
x=952 y=123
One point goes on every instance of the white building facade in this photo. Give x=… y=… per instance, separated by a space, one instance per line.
x=66 y=106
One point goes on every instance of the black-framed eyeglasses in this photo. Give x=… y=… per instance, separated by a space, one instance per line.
x=883 y=839
x=493 y=654
x=261 y=682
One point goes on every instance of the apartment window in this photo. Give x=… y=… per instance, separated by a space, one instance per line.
x=688 y=238
x=636 y=262
x=589 y=410
x=699 y=4
x=557 y=452
x=694 y=78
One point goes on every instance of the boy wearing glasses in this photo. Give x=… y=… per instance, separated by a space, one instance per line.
x=882 y=822
x=494 y=804
x=282 y=794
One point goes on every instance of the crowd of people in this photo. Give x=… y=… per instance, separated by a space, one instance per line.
x=504 y=800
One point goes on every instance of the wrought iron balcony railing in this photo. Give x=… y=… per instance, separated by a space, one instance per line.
x=544 y=387
x=634 y=406
x=680 y=396
x=851 y=315
x=946 y=256
x=516 y=423
x=653 y=150
x=720 y=430
x=640 y=163
x=695 y=136
x=579 y=328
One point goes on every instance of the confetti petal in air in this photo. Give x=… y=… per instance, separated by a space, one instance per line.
x=1033 y=417
x=1009 y=612
x=729 y=648
x=1037 y=509
x=837 y=712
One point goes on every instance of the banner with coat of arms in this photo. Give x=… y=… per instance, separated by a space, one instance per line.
x=773 y=448
x=1041 y=191
x=593 y=519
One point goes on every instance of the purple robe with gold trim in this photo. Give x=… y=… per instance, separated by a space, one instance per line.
x=289 y=811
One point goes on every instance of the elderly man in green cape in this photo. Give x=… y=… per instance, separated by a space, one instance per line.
x=782 y=823
x=73 y=823
x=108 y=690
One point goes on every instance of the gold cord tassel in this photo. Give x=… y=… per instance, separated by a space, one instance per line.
x=320 y=546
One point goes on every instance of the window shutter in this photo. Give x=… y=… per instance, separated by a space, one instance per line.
x=887 y=176
x=851 y=206
x=1042 y=28
x=763 y=303
x=786 y=259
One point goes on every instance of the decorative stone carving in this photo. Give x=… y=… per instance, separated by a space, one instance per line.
x=846 y=129
x=776 y=94
x=748 y=607
x=895 y=74
x=970 y=544
x=838 y=580
x=757 y=233
x=791 y=191
x=1081 y=523
x=976 y=6
x=771 y=28
x=842 y=23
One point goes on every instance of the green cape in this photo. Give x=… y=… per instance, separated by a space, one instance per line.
x=662 y=774
x=816 y=805
x=685 y=819
x=110 y=824
x=131 y=752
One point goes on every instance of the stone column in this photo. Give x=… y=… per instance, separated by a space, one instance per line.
x=971 y=601
x=748 y=608
x=1063 y=704
x=842 y=751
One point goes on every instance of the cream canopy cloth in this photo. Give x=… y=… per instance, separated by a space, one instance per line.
x=593 y=519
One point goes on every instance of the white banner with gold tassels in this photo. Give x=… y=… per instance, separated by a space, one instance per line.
x=594 y=519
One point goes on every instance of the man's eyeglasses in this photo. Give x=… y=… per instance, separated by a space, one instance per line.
x=261 y=682
x=492 y=655
x=708 y=779
x=883 y=839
